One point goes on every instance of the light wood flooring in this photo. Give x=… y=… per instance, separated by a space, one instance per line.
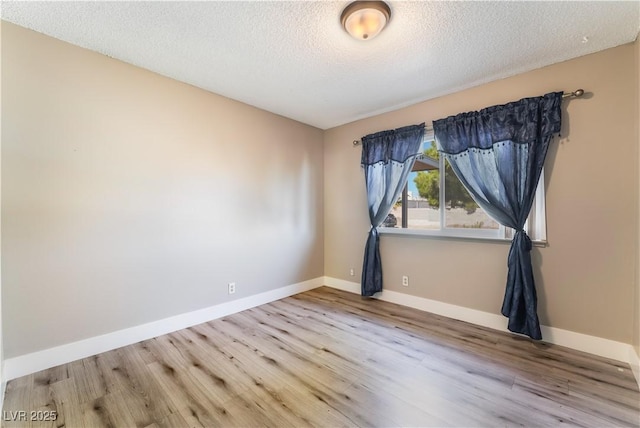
x=330 y=358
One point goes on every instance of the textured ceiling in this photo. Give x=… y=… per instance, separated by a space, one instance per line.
x=294 y=58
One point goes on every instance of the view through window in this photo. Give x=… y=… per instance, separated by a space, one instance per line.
x=434 y=199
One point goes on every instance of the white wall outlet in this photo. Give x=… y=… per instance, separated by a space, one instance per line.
x=352 y=272
x=232 y=287
x=405 y=280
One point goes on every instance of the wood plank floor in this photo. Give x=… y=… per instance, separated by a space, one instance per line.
x=330 y=358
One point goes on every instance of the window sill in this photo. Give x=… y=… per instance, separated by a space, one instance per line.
x=438 y=234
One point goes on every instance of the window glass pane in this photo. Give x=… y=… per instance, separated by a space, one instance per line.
x=424 y=190
x=461 y=211
x=423 y=209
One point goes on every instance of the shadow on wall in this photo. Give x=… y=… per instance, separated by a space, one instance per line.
x=284 y=205
x=300 y=207
x=549 y=166
x=281 y=196
x=536 y=260
x=565 y=137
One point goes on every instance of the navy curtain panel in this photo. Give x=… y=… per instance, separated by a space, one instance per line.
x=498 y=154
x=387 y=159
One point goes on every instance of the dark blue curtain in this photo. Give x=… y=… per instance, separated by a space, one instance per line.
x=498 y=154
x=387 y=159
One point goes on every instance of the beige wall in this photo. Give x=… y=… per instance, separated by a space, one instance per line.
x=128 y=197
x=636 y=311
x=2 y=381
x=585 y=276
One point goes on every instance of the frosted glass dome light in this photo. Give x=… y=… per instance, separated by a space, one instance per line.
x=365 y=19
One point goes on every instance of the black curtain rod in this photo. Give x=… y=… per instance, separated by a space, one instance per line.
x=575 y=94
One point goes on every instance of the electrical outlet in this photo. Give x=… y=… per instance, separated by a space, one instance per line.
x=351 y=272
x=405 y=280
x=232 y=287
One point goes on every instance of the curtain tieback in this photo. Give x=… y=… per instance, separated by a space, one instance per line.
x=522 y=240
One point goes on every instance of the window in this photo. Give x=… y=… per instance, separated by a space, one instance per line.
x=434 y=202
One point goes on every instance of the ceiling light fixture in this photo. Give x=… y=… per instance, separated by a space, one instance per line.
x=365 y=19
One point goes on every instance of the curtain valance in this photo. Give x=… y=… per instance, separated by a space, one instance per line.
x=396 y=145
x=518 y=122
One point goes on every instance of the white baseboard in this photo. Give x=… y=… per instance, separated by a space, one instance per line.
x=634 y=362
x=594 y=345
x=47 y=358
x=3 y=382
x=3 y=388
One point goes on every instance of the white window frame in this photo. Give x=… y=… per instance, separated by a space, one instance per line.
x=535 y=226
